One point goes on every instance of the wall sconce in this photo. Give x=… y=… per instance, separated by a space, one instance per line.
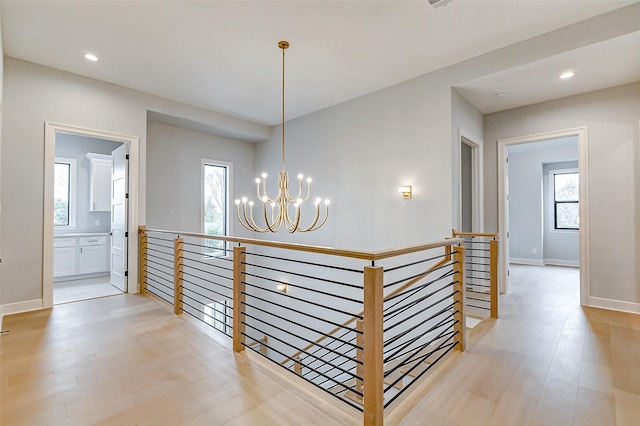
x=282 y=288
x=405 y=191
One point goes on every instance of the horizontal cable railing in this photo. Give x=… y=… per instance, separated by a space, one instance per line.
x=294 y=299
x=361 y=326
x=158 y=254
x=481 y=273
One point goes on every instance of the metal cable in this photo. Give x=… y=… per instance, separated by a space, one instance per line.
x=299 y=275
x=301 y=300
x=341 y=268
x=303 y=313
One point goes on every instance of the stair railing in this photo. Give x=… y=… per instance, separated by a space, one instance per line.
x=481 y=269
x=391 y=315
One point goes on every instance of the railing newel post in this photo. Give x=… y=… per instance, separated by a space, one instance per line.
x=373 y=346
x=459 y=297
x=142 y=258
x=178 y=274
x=297 y=366
x=239 y=291
x=493 y=274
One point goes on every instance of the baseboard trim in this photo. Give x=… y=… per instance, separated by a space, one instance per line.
x=521 y=261
x=614 y=305
x=562 y=262
x=19 y=307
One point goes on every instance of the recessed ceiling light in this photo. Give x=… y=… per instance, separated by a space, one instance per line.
x=501 y=94
x=90 y=57
x=567 y=74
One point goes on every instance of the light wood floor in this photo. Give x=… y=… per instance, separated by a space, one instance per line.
x=128 y=360
x=546 y=362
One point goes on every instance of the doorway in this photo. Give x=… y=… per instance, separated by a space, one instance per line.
x=89 y=213
x=531 y=251
x=470 y=200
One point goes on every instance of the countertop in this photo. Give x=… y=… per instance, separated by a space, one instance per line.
x=82 y=234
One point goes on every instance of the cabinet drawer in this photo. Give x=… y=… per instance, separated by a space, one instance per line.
x=64 y=242
x=92 y=241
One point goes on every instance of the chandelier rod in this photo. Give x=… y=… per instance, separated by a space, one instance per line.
x=283 y=45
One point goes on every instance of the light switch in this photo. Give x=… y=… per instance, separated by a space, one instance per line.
x=97 y=222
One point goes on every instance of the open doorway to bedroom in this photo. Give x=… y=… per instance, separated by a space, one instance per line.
x=542 y=187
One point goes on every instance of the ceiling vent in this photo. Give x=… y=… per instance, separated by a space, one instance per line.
x=438 y=3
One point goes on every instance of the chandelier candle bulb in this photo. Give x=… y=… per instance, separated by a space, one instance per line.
x=281 y=214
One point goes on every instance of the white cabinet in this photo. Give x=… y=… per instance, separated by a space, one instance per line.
x=92 y=256
x=80 y=255
x=64 y=257
x=99 y=182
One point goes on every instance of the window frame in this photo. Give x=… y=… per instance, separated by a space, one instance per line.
x=73 y=191
x=553 y=218
x=228 y=222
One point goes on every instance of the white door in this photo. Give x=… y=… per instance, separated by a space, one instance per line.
x=505 y=269
x=467 y=185
x=119 y=208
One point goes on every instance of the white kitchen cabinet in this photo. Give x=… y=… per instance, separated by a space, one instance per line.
x=64 y=257
x=99 y=182
x=92 y=256
x=79 y=255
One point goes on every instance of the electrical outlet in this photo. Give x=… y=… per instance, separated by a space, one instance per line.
x=97 y=222
x=534 y=251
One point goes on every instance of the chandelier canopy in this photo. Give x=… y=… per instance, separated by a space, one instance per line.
x=284 y=209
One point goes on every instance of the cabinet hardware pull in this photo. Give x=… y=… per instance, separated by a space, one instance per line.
x=93 y=241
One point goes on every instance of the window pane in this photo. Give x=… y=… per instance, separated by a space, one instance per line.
x=567 y=216
x=215 y=206
x=61 y=194
x=566 y=187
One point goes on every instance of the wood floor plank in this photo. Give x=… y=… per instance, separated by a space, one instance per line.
x=594 y=408
x=627 y=406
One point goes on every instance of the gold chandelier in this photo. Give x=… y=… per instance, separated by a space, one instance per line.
x=284 y=209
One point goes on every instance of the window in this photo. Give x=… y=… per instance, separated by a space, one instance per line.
x=64 y=192
x=215 y=197
x=565 y=187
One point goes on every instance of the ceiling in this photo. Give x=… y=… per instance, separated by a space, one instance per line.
x=223 y=55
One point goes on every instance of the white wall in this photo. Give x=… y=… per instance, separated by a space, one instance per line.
x=612 y=117
x=174 y=184
x=359 y=152
x=1 y=143
x=34 y=95
x=77 y=147
x=527 y=230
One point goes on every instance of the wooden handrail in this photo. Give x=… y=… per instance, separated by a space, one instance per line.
x=472 y=234
x=355 y=317
x=364 y=255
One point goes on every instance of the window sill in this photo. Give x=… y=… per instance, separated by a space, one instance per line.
x=564 y=231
